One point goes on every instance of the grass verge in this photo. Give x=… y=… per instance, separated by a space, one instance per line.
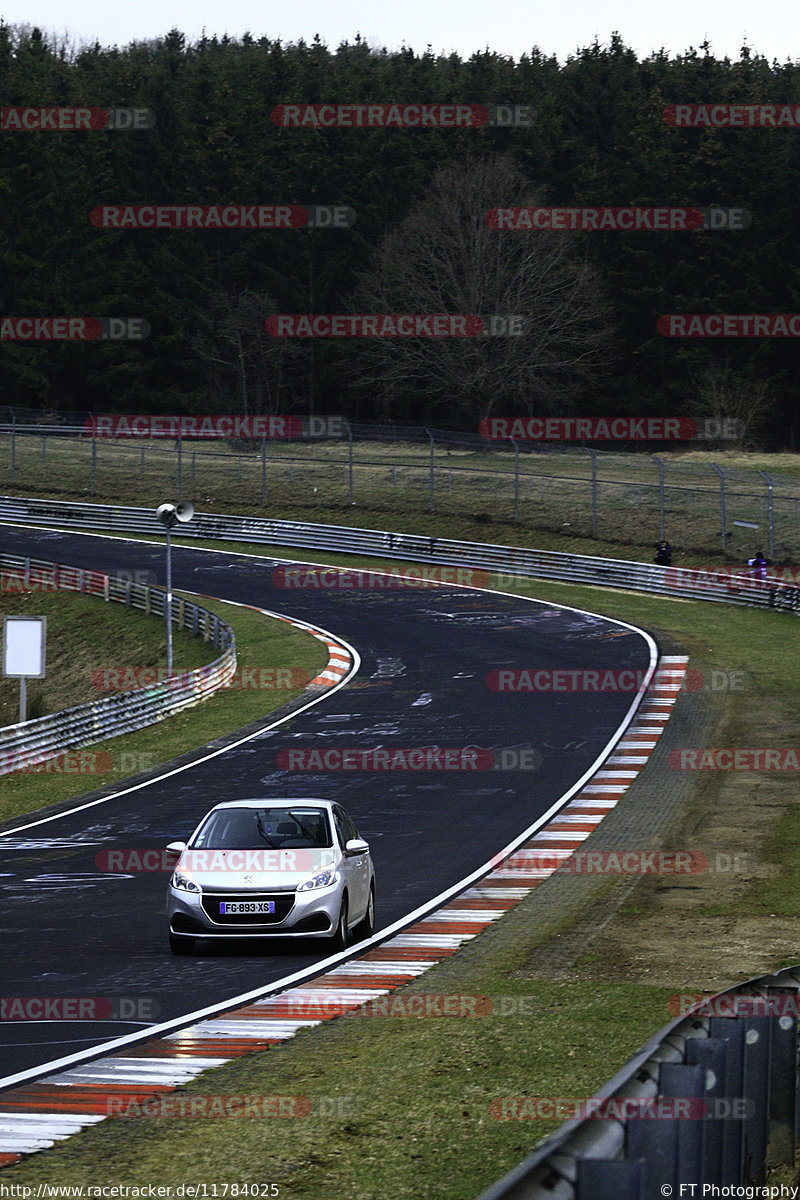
x=404 y=1106
x=264 y=644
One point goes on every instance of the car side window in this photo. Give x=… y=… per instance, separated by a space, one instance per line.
x=344 y=827
x=338 y=820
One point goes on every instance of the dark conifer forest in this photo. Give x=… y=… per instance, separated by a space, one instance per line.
x=596 y=135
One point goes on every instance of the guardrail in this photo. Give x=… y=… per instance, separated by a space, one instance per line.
x=605 y=492
x=27 y=744
x=695 y=1058
x=506 y=563
x=710 y=1101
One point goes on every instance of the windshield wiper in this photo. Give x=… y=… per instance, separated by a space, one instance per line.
x=310 y=834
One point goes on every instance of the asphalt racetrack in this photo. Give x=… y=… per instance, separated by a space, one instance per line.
x=70 y=929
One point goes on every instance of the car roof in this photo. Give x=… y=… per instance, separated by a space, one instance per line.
x=269 y=802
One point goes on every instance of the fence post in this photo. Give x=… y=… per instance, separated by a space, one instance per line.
x=349 y=463
x=516 y=479
x=13 y=446
x=719 y=471
x=661 y=534
x=180 y=462
x=594 y=489
x=430 y=484
x=771 y=515
x=94 y=462
x=264 y=469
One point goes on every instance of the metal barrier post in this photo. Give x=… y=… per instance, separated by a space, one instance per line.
x=661 y=534
x=723 y=518
x=782 y=1086
x=594 y=489
x=771 y=514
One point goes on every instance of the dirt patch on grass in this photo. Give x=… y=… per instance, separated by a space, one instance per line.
x=713 y=928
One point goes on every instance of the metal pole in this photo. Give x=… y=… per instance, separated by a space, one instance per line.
x=13 y=447
x=23 y=699
x=516 y=479
x=264 y=469
x=349 y=463
x=180 y=463
x=594 y=489
x=168 y=603
x=430 y=484
x=722 y=504
x=661 y=534
x=94 y=462
x=771 y=516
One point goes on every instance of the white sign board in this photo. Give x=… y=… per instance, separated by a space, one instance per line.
x=23 y=647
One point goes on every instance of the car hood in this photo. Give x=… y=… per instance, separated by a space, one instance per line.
x=254 y=869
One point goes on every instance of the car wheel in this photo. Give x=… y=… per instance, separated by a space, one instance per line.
x=366 y=927
x=181 y=945
x=342 y=935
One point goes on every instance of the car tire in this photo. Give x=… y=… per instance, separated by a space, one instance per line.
x=181 y=945
x=342 y=935
x=366 y=927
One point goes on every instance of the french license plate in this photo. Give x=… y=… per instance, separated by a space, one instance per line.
x=232 y=908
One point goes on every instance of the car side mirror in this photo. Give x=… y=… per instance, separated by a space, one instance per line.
x=176 y=847
x=356 y=846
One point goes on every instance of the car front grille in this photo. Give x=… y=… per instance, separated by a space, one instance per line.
x=284 y=903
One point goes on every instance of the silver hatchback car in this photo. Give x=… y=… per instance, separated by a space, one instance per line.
x=262 y=868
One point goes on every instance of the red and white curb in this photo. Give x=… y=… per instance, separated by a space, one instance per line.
x=340 y=659
x=35 y=1116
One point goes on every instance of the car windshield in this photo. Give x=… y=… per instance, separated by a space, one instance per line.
x=253 y=828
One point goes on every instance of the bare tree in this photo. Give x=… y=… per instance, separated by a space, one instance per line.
x=725 y=395
x=245 y=368
x=445 y=258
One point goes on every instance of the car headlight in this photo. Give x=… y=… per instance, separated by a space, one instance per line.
x=185 y=883
x=323 y=879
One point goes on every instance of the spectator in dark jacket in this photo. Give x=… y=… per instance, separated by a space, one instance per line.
x=760 y=565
